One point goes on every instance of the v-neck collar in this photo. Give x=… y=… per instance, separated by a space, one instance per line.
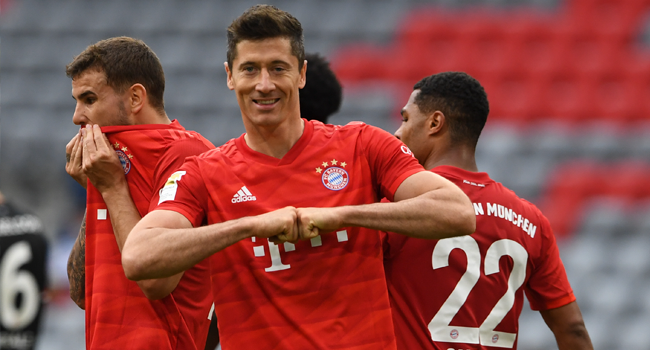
x=288 y=158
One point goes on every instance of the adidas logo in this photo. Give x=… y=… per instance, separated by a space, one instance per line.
x=243 y=195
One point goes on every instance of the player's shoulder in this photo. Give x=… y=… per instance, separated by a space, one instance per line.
x=524 y=206
x=228 y=149
x=179 y=137
x=351 y=127
x=17 y=221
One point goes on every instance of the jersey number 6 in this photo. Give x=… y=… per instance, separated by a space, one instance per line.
x=485 y=335
x=15 y=282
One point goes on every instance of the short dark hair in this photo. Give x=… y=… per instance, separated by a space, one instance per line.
x=460 y=98
x=265 y=22
x=125 y=61
x=322 y=94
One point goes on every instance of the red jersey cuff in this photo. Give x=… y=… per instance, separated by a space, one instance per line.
x=554 y=304
x=181 y=211
x=399 y=181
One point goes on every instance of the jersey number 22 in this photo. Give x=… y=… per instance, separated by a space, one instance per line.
x=485 y=335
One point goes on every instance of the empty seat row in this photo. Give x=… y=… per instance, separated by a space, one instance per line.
x=540 y=67
x=570 y=185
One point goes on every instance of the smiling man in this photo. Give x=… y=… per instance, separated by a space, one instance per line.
x=288 y=179
x=125 y=151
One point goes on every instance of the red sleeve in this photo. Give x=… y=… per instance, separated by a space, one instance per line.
x=171 y=160
x=185 y=193
x=390 y=160
x=548 y=286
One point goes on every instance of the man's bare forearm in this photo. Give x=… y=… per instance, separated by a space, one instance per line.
x=164 y=243
x=437 y=214
x=122 y=211
x=568 y=326
x=124 y=216
x=576 y=338
x=77 y=268
x=426 y=206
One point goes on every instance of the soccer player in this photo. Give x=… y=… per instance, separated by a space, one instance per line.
x=288 y=179
x=322 y=94
x=23 y=252
x=467 y=292
x=319 y=98
x=126 y=149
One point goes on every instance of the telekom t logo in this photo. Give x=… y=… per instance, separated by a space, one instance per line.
x=274 y=250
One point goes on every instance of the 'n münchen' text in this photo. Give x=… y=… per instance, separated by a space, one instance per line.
x=498 y=210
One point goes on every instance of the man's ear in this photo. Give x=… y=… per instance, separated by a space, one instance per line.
x=137 y=97
x=436 y=122
x=303 y=75
x=231 y=86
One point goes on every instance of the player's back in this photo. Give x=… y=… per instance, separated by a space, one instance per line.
x=467 y=292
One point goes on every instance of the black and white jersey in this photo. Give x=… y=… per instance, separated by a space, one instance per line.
x=23 y=250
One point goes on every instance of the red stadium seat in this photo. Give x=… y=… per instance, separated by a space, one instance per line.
x=517 y=100
x=570 y=100
x=358 y=63
x=427 y=27
x=627 y=179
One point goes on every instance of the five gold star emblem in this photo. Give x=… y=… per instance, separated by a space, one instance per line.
x=319 y=170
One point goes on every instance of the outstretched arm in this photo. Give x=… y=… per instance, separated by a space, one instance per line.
x=569 y=329
x=164 y=242
x=105 y=172
x=426 y=206
x=77 y=268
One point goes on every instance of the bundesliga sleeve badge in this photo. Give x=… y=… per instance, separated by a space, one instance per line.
x=333 y=177
x=168 y=192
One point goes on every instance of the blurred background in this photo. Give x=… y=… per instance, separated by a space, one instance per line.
x=569 y=129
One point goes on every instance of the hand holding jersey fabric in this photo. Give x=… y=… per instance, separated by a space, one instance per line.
x=100 y=162
x=73 y=160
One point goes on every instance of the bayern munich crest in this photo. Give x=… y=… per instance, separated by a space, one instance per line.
x=453 y=334
x=333 y=177
x=125 y=158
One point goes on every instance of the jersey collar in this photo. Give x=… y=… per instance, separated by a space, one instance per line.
x=478 y=177
x=117 y=128
x=288 y=158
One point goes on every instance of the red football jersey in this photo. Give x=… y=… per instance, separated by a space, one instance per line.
x=326 y=293
x=467 y=292
x=118 y=315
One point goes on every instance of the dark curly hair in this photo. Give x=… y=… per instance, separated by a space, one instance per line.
x=460 y=98
x=322 y=94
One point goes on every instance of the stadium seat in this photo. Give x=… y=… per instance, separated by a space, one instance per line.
x=358 y=63
x=427 y=27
